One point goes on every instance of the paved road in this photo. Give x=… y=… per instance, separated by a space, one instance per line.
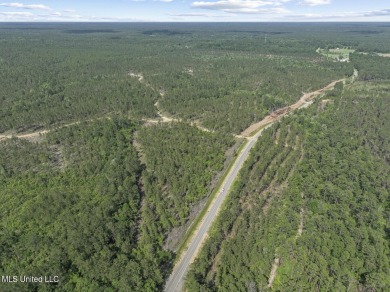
x=175 y=281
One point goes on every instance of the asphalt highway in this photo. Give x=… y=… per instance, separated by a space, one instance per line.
x=175 y=281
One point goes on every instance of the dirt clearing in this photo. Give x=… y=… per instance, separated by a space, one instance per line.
x=306 y=99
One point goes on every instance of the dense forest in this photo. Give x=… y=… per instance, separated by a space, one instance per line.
x=105 y=194
x=225 y=78
x=82 y=206
x=74 y=215
x=181 y=161
x=312 y=203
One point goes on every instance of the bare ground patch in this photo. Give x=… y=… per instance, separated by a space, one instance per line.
x=274 y=269
x=278 y=114
x=384 y=55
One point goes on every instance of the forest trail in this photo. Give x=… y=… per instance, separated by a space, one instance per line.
x=301 y=223
x=305 y=100
x=276 y=263
x=384 y=55
x=176 y=279
x=272 y=275
x=33 y=136
x=302 y=220
x=162 y=117
x=137 y=75
x=30 y=136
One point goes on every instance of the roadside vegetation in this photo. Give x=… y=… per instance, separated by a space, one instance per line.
x=81 y=205
x=181 y=162
x=326 y=224
x=102 y=194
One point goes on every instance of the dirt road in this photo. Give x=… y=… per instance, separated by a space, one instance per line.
x=304 y=101
x=30 y=136
x=176 y=279
x=34 y=135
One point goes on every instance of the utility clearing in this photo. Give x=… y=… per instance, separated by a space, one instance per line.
x=197 y=239
x=304 y=101
x=336 y=54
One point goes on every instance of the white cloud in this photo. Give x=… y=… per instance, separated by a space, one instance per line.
x=383 y=12
x=17 y=14
x=257 y=11
x=25 y=6
x=315 y=2
x=243 y=6
x=166 y=1
x=212 y=15
x=345 y=16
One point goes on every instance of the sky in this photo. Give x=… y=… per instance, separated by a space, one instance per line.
x=195 y=10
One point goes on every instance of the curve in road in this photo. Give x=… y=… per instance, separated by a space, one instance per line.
x=175 y=281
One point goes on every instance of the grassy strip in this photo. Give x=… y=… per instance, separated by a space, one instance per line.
x=184 y=242
x=261 y=128
x=335 y=53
